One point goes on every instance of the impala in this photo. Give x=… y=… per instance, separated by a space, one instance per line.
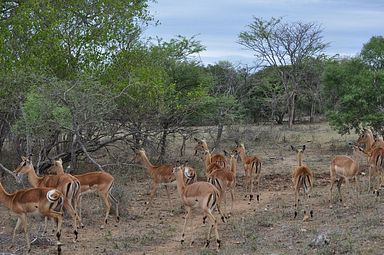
x=302 y=177
x=202 y=146
x=375 y=155
x=44 y=201
x=252 y=169
x=100 y=182
x=161 y=174
x=225 y=181
x=64 y=183
x=344 y=167
x=199 y=194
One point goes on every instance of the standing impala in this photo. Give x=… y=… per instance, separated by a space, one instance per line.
x=202 y=146
x=344 y=167
x=225 y=181
x=375 y=155
x=302 y=177
x=64 y=183
x=44 y=201
x=161 y=174
x=252 y=169
x=100 y=182
x=199 y=194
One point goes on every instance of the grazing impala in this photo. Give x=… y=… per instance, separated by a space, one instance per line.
x=224 y=180
x=375 y=155
x=252 y=169
x=161 y=174
x=302 y=177
x=64 y=183
x=100 y=182
x=44 y=201
x=199 y=194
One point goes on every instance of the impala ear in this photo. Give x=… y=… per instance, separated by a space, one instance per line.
x=237 y=142
x=293 y=148
x=197 y=140
x=225 y=153
x=303 y=147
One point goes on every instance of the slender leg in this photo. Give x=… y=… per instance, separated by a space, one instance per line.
x=25 y=226
x=153 y=192
x=107 y=204
x=214 y=225
x=18 y=223
x=116 y=204
x=330 y=192
x=185 y=224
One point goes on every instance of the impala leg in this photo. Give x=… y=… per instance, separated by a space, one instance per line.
x=330 y=192
x=185 y=225
x=339 y=182
x=251 y=188
x=18 y=223
x=23 y=218
x=74 y=216
x=107 y=204
x=153 y=192
x=213 y=225
x=112 y=198
x=232 y=200
x=258 y=188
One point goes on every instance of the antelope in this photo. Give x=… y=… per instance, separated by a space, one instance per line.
x=100 y=182
x=375 y=155
x=225 y=181
x=252 y=166
x=44 y=201
x=211 y=166
x=345 y=168
x=199 y=194
x=302 y=177
x=64 y=183
x=161 y=174
x=202 y=146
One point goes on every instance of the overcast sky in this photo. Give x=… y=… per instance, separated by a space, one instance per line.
x=347 y=24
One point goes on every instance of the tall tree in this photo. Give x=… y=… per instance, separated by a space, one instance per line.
x=276 y=43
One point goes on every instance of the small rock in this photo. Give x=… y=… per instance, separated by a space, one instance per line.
x=319 y=240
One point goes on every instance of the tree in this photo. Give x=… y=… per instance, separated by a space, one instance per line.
x=277 y=44
x=354 y=95
x=373 y=53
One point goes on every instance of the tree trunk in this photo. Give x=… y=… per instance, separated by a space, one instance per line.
x=219 y=134
x=291 y=110
x=163 y=143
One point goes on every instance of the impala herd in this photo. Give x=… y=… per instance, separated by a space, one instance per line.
x=58 y=191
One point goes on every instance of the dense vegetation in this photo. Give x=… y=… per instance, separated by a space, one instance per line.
x=79 y=76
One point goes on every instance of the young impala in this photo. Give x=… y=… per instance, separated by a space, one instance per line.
x=302 y=177
x=199 y=194
x=44 y=201
x=344 y=167
x=100 y=182
x=252 y=169
x=64 y=183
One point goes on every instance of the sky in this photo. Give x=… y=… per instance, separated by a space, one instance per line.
x=347 y=24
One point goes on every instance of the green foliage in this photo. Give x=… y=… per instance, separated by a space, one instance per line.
x=373 y=53
x=355 y=95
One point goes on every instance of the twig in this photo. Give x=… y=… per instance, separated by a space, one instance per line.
x=8 y=171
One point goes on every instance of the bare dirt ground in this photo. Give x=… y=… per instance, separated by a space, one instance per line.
x=265 y=228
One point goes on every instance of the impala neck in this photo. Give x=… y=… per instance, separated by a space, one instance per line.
x=207 y=159
x=145 y=161
x=5 y=197
x=242 y=154
x=32 y=177
x=369 y=144
x=300 y=158
x=233 y=165
x=180 y=183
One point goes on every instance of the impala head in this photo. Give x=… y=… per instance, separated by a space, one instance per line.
x=299 y=153
x=365 y=136
x=56 y=167
x=139 y=153
x=25 y=166
x=239 y=147
x=201 y=145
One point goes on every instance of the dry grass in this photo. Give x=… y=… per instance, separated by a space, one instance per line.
x=265 y=228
